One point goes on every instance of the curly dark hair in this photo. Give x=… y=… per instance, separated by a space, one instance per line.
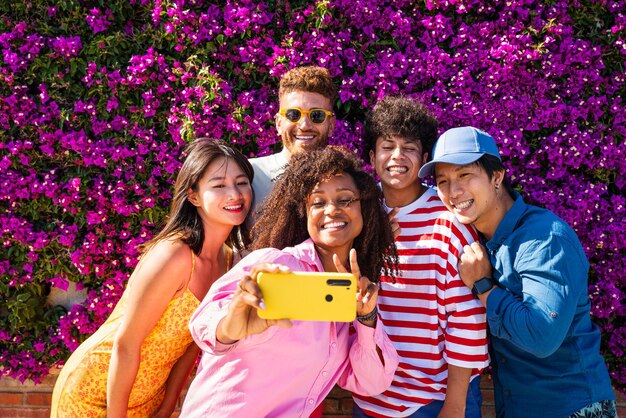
x=401 y=116
x=283 y=222
x=183 y=220
x=308 y=78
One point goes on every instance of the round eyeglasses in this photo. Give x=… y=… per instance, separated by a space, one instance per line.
x=338 y=204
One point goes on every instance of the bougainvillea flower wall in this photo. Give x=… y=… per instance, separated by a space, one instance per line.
x=99 y=98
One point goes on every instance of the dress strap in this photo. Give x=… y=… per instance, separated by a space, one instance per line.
x=193 y=265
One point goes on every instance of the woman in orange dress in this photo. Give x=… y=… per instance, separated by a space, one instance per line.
x=136 y=363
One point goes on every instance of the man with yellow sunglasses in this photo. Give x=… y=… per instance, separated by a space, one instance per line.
x=304 y=121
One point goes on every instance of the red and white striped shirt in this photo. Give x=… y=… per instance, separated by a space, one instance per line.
x=428 y=313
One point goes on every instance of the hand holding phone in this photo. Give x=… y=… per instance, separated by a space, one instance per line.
x=242 y=319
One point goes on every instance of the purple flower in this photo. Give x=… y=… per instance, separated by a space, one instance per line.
x=67 y=47
x=93 y=139
x=98 y=21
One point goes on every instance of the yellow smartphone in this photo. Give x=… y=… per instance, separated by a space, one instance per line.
x=308 y=296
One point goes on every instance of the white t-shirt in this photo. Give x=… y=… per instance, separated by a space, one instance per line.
x=266 y=171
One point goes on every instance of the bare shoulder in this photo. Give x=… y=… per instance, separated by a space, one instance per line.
x=167 y=258
x=170 y=250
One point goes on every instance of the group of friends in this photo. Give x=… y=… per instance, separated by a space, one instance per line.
x=451 y=279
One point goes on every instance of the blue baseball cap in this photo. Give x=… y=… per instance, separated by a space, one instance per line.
x=460 y=146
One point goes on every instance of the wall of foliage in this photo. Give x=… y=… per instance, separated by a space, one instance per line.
x=99 y=98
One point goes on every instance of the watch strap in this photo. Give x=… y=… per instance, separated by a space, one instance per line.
x=482 y=286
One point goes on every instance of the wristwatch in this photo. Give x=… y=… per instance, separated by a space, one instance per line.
x=482 y=286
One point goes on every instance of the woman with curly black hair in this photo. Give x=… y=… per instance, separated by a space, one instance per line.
x=323 y=215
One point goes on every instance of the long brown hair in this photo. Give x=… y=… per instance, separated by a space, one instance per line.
x=283 y=222
x=184 y=221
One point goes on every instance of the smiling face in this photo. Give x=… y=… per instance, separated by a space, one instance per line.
x=304 y=135
x=331 y=227
x=469 y=193
x=397 y=161
x=223 y=194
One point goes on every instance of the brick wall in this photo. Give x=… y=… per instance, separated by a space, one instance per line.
x=28 y=400
x=339 y=403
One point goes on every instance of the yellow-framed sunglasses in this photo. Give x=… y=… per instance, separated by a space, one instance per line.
x=316 y=116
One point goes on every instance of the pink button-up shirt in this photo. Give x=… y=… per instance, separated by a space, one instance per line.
x=282 y=372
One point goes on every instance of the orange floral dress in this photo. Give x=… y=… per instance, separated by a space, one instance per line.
x=80 y=390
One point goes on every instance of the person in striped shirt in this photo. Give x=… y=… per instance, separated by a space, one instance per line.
x=437 y=326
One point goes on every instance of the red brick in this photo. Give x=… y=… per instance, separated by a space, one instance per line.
x=338 y=393
x=11 y=398
x=488 y=397
x=39 y=398
x=346 y=405
x=24 y=413
x=331 y=406
x=488 y=412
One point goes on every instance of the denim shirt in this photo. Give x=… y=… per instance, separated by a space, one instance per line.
x=544 y=347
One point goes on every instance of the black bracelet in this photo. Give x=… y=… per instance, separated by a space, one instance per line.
x=368 y=317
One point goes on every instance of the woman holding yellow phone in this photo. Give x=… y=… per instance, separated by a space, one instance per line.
x=324 y=215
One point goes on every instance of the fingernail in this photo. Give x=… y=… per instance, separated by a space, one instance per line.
x=262 y=304
x=366 y=299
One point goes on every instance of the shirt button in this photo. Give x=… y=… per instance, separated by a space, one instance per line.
x=553 y=315
x=507 y=392
x=333 y=345
x=311 y=401
x=324 y=373
x=503 y=361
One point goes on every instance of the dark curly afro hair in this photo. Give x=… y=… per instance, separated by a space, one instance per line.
x=283 y=222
